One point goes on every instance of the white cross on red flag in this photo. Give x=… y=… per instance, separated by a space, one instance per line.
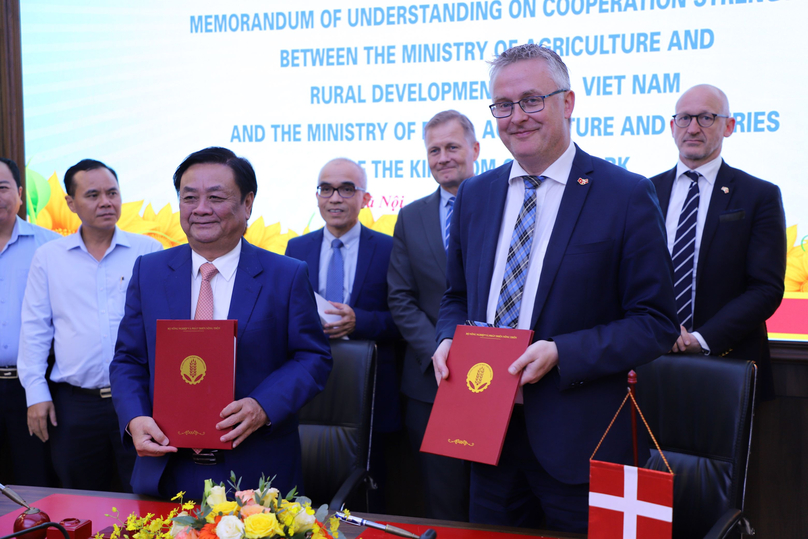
x=629 y=503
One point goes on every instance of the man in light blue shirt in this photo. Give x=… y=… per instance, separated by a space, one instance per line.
x=75 y=295
x=18 y=240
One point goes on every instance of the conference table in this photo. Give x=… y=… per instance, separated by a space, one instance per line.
x=92 y=505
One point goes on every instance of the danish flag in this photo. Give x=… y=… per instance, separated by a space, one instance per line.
x=629 y=503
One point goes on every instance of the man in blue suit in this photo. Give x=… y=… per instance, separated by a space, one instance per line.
x=348 y=266
x=736 y=270
x=283 y=358
x=573 y=248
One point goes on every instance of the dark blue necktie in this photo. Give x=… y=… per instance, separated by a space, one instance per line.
x=336 y=274
x=513 y=282
x=449 y=209
x=684 y=252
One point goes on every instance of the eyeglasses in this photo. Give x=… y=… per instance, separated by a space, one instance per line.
x=529 y=104
x=345 y=191
x=704 y=119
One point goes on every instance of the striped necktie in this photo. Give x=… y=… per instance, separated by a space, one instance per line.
x=513 y=282
x=449 y=209
x=684 y=252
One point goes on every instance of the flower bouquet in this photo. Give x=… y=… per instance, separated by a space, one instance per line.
x=252 y=514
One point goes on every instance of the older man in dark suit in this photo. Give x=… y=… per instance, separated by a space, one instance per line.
x=727 y=238
x=416 y=282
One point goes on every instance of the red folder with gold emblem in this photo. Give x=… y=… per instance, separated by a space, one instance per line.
x=473 y=406
x=194 y=379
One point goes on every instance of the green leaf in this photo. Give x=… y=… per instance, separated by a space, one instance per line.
x=37 y=193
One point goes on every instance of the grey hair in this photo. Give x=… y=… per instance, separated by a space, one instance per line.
x=529 y=51
x=449 y=115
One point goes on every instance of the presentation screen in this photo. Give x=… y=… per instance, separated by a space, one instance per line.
x=291 y=85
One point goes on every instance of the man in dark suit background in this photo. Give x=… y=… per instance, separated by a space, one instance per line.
x=417 y=280
x=579 y=257
x=732 y=279
x=283 y=358
x=348 y=266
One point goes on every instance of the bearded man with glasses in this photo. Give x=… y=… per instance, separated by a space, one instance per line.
x=348 y=267
x=732 y=279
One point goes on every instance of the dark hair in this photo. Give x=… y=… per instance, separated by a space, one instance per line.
x=15 y=170
x=242 y=169
x=83 y=166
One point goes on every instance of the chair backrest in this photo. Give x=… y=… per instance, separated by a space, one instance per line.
x=335 y=427
x=700 y=409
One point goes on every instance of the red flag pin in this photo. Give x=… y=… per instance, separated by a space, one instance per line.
x=725 y=190
x=583 y=181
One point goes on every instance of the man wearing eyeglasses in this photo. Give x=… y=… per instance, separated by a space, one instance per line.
x=727 y=238
x=573 y=248
x=348 y=266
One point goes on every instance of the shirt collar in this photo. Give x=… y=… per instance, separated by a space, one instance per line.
x=558 y=171
x=75 y=241
x=349 y=239
x=709 y=171
x=227 y=264
x=445 y=196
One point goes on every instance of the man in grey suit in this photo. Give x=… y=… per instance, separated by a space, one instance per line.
x=416 y=282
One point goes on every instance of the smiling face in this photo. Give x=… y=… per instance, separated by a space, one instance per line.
x=96 y=199
x=10 y=198
x=341 y=214
x=212 y=212
x=451 y=154
x=699 y=145
x=535 y=140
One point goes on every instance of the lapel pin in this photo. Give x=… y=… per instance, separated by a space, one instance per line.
x=583 y=181
x=725 y=190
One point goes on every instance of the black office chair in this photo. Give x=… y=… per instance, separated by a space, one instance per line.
x=701 y=410
x=335 y=428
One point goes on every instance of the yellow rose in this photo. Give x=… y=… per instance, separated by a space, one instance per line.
x=270 y=497
x=262 y=525
x=225 y=508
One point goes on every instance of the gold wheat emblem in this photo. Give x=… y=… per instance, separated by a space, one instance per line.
x=479 y=377
x=193 y=369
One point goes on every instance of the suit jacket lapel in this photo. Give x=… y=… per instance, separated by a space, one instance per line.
x=718 y=204
x=497 y=192
x=430 y=220
x=246 y=288
x=177 y=284
x=312 y=257
x=572 y=202
x=366 y=248
x=664 y=191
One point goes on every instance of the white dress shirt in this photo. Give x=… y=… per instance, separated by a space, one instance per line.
x=708 y=172
x=548 y=200
x=78 y=302
x=350 y=254
x=221 y=284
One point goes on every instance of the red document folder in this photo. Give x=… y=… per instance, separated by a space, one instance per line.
x=194 y=379
x=473 y=406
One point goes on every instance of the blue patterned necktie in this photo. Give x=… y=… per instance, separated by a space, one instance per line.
x=684 y=252
x=335 y=279
x=449 y=209
x=513 y=282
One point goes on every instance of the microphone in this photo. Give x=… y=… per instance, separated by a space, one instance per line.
x=387 y=528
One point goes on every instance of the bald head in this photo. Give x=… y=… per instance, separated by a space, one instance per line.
x=697 y=144
x=347 y=184
x=346 y=168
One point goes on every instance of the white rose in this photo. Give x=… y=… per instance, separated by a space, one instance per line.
x=304 y=521
x=176 y=527
x=230 y=527
x=216 y=496
x=270 y=496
